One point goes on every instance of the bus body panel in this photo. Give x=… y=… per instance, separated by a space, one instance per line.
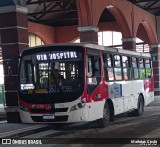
x=121 y=93
x=118 y=105
x=149 y=90
x=127 y=88
x=149 y=98
x=125 y=94
x=95 y=110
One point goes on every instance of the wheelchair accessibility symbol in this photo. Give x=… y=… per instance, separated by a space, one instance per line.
x=53 y=89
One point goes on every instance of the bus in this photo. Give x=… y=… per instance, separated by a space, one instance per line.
x=89 y=83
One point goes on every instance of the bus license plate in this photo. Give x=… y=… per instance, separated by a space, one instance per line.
x=48 y=116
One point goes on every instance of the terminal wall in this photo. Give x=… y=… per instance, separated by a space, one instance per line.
x=64 y=34
x=89 y=14
x=46 y=33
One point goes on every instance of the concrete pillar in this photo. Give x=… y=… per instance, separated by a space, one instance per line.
x=155 y=53
x=88 y=34
x=14 y=38
x=129 y=43
x=158 y=28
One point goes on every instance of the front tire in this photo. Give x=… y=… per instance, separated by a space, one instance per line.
x=103 y=122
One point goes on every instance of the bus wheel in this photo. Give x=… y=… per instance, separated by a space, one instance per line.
x=139 y=111
x=103 y=122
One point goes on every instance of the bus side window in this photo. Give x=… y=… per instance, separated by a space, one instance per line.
x=93 y=72
x=118 y=67
x=108 y=67
x=135 y=68
x=148 y=68
x=142 y=71
x=126 y=67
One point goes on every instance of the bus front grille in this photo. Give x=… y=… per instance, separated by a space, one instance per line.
x=56 y=119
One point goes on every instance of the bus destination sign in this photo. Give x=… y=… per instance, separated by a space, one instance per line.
x=62 y=55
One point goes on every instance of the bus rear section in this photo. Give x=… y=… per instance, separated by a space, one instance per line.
x=80 y=83
x=130 y=81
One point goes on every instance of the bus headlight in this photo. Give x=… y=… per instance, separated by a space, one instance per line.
x=79 y=105
x=23 y=108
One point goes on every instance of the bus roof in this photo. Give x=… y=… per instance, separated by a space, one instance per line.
x=96 y=47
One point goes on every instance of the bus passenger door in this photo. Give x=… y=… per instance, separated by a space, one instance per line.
x=95 y=86
x=93 y=73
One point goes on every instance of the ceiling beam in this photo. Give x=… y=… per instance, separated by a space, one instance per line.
x=155 y=8
x=61 y=6
x=49 y=9
x=58 y=20
x=32 y=2
x=70 y=3
x=151 y=4
x=52 y=11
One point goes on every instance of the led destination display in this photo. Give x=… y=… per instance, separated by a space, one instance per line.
x=62 y=55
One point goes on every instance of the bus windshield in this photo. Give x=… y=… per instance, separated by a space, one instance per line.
x=51 y=72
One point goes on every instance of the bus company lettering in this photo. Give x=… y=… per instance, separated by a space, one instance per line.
x=41 y=106
x=57 y=56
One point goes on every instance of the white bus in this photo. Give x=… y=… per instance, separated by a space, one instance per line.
x=92 y=83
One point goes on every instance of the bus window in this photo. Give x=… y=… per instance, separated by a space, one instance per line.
x=147 y=63
x=27 y=75
x=135 y=68
x=142 y=72
x=126 y=68
x=117 y=67
x=108 y=67
x=55 y=76
x=148 y=68
x=93 y=72
x=41 y=73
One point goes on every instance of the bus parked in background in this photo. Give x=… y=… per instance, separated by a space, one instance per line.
x=69 y=83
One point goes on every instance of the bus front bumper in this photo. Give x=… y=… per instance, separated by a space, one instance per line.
x=80 y=115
